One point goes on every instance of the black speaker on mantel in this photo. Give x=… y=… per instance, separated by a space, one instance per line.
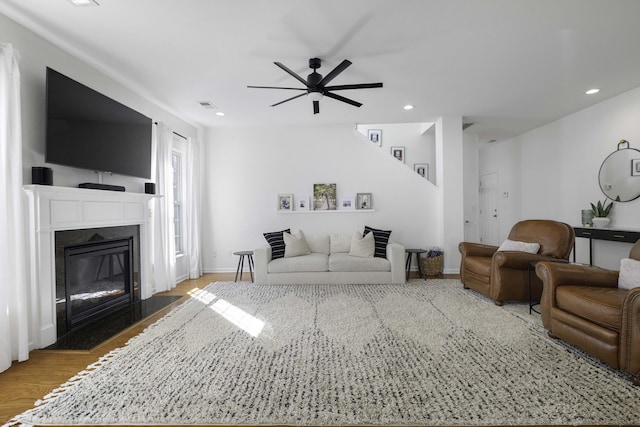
x=149 y=188
x=41 y=175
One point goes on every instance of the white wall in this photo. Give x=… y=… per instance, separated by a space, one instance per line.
x=247 y=168
x=35 y=55
x=420 y=147
x=552 y=171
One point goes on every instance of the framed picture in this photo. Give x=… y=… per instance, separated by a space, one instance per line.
x=635 y=167
x=375 y=136
x=398 y=153
x=302 y=203
x=285 y=202
x=324 y=197
x=364 y=201
x=422 y=169
x=347 y=203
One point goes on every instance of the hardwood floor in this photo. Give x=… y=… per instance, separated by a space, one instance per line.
x=26 y=382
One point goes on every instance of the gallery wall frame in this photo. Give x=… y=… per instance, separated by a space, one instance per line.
x=285 y=202
x=364 y=201
x=375 y=136
x=422 y=169
x=398 y=152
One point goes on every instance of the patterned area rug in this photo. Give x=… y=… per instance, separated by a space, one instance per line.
x=427 y=353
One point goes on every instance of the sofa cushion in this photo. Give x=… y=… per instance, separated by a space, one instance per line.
x=276 y=241
x=318 y=243
x=629 y=274
x=344 y=262
x=362 y=246
x=295 y=244
x=602 y=306
x=303 y=263
x=381 y=238
x=340 y=243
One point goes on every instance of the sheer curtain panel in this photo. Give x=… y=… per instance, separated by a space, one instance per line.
x=14 y=328
x=164 y=259
x=192 y=196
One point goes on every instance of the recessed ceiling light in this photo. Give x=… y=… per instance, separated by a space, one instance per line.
x=592 y=91
x=220 y=113
x=84 y=2
x=408 y=107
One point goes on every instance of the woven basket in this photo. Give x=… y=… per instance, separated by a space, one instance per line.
x=432 y=266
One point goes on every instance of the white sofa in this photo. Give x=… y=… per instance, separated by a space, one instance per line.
x=330 y=263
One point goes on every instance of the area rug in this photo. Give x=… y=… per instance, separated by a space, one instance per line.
x=425 y=353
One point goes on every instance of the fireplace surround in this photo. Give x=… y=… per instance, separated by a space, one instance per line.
x=54 y=209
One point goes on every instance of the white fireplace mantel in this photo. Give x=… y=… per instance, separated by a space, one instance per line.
x=54 y=209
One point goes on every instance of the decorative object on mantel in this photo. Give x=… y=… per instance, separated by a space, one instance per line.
x=324 y=197
x=364 y=201
x=587 y=217
x=619 y=175
x=432 y=262
x=601 y=213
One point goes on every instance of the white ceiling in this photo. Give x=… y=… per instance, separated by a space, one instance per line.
x=507 y=66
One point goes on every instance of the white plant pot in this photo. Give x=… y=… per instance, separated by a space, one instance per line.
x=601 y=222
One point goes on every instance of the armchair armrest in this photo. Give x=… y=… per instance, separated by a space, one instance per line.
x=476 y=249
x=555 y=274
x=630 y=334
x=261 y=259
x=520 y=260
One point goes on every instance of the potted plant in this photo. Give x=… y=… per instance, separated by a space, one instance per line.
x=601 y=213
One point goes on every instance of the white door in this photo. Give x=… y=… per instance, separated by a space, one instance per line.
x=489 y=230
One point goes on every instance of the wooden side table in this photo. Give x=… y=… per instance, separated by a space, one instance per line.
x=249 y=256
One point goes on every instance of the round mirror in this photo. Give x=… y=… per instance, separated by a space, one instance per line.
x=619 y=175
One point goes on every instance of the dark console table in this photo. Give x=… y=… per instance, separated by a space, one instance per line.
x=626 y=236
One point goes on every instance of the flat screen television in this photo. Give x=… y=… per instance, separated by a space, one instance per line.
x=88 y=130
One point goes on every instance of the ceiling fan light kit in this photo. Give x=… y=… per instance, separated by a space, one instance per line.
x=316 y=85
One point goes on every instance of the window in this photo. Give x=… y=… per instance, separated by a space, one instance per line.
x=176 y=161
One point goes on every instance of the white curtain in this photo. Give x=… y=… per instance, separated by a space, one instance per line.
x=192 y=205
x=164 y=263
x=14 y=329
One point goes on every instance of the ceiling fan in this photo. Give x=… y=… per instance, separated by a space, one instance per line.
x=316 y=85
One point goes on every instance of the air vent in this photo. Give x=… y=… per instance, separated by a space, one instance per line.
x=207 y=104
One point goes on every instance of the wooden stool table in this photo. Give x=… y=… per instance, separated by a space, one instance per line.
x=417 y=252
x=243 y=254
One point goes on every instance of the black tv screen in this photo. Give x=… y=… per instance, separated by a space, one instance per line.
x=88 y=130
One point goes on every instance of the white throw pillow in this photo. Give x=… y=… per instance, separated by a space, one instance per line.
x=295 y=244
x=629 y=274
x=513 y=245
x=363 y=247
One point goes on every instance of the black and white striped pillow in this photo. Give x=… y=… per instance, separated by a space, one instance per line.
x=276 y=241
x=381 y=237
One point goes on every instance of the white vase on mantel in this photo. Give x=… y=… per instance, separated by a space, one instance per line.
x=601 y=221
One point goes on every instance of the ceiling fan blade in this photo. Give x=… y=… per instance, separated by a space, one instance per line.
x=293 y=74
x=316 y=107
x=277 y=87
x=333 y=73
x=354 y=86
x=343 y=99
x=289 y=99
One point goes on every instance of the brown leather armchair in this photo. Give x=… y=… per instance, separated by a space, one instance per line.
x=583 y=306
x=504 y=275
